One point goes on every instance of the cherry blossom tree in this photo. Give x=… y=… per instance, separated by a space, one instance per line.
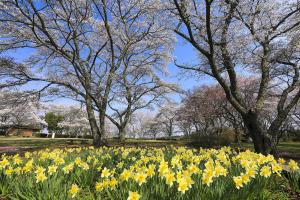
x=246 y=37
x=138 y=124
x=89 y=51
x=75 y=122
x=73 y=119
x=166 y=119
x=19 y=109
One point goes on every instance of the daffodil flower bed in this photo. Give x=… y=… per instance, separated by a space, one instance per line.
x=139 y=173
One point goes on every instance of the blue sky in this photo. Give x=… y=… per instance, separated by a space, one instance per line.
x=183 y=52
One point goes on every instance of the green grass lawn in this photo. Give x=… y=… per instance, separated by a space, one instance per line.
x=20 y=144
x=286 y=149
x=38 y=142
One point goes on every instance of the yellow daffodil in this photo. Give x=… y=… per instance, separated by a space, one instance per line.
x=4 y=163
x=41 y=177
x=293 y=165
x=140 y=178
x=182 y=185
x=105 y=173
x=238 y=181
x=125 y=175
x=73 y=190
x=170 y=178
x=52 y=169
x=133 y=196
x=265 y=171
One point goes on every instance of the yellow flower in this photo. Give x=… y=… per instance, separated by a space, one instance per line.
x=170 y=178
x=99 y=186
x=293 y=165
x=151 y=170
x=78 y=161
x=84 y=166
x=40 y=170
x=113 y=182
x=28 y=166
x=41 y=177
x=4 y=163
x=125 y=175
x=105 y=173
x=59 y=161
x=163 y=168
x=189 y=181
x=18 y=170
x=222 y=157
x=89 y=159
x=140 y=178
x=276 y=168
x=281 y=160
x=207 y=176
x=67 y=169
x=17 y=160
x=238 y=181
x=244 y=163
x=133 y=196
x=265 y=171
x=220 y=171
x=74 y=190
x=120 y=164
x=182 y=185
x=245 y=178
x=251 y=172
x=193 y=169
x=27 y=155
x=52 y=169
x=9 y=171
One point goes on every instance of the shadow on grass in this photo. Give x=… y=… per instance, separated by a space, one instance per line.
x=287 y=150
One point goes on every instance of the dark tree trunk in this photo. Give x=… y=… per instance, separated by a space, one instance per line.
x=97 y=136
x=102 y=128
x=122 y=135
x=170 y=129
x=263 y=142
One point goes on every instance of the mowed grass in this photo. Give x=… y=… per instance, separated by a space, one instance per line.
x=12 y=145
x=40 y=142
x=286 y=149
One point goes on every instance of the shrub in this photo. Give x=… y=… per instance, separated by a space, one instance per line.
x=209 y=141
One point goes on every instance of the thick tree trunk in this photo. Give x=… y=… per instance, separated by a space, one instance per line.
x=263 y=142
x=170 y=130
x=102 y=128
x=97 y=139
x=122 y=135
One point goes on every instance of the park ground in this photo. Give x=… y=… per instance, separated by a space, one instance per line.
x=11 y=145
